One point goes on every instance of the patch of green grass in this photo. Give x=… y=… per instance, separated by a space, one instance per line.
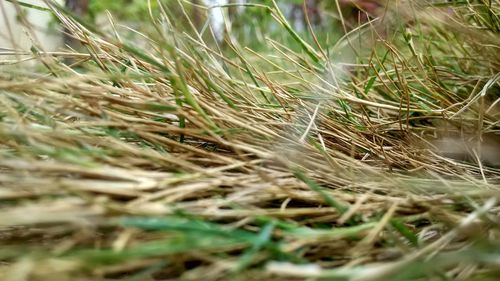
x=275 y=154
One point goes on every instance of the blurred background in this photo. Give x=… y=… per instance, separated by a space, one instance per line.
x=247 y=22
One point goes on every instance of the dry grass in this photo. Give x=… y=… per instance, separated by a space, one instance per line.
x=178 y=160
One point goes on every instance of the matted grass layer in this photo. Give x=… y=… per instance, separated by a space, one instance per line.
x=171 y=158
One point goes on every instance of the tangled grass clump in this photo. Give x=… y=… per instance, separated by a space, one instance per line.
x=172 y=158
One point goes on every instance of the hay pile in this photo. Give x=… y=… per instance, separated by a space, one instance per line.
x=177 y=160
